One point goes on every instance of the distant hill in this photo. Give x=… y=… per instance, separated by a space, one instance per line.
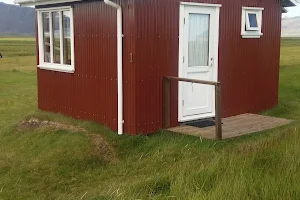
x=291 y=27
x=16 y=20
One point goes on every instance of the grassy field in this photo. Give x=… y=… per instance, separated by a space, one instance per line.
x=65 y=162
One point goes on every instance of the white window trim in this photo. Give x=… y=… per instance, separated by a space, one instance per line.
x=200 y=4
x=52 y=66
x=252 y=32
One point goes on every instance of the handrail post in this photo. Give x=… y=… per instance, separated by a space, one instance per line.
x=218 y=106
x=166 y=103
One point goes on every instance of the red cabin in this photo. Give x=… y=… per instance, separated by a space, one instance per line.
x=105 y=60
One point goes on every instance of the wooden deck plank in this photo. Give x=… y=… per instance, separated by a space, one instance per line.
x=235 y=126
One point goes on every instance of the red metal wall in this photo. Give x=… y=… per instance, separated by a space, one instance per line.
x=248 y=68
x=91 y=92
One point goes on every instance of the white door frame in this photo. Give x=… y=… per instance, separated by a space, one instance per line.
x=181 y=117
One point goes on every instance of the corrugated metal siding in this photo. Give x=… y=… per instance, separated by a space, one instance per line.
x=91 y=92
x=129 y=68
x=248 y=68
x=157 y=56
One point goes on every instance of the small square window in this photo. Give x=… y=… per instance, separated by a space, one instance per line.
x=251 y=22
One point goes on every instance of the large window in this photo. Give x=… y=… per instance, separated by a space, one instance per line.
x=251 y=22
x=56 y=40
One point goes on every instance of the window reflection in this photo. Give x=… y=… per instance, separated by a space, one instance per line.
x=66 y=37
x=46 y=37
x=56 y=37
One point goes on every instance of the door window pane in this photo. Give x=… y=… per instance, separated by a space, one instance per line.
x=66 y=37
x=46 y=37
x=198 y=44
x=56 y=37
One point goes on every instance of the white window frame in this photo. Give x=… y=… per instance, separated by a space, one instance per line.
x=248 y=27
x=246 y=30
x=51 y=65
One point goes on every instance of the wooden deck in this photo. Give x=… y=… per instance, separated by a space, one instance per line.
x=235 y=126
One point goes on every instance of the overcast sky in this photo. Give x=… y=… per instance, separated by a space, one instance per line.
x=295 y=11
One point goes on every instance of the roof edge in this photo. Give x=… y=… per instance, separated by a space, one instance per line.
x=285 y=3
x=289 y=3
x=41 y=2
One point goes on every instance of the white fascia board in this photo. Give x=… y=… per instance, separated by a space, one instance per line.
x=41 y=2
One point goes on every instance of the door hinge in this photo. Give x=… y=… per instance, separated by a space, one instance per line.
x=183 y=20
x=183 y=59
x=182 y=102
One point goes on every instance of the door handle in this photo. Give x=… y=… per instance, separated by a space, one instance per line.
x=211 y=62
x=131 y=59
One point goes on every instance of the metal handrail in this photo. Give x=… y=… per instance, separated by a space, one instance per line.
x=218 y=100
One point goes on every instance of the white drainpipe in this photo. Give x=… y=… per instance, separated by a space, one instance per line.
x=120 y=64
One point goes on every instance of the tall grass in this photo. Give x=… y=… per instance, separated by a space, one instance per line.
x=55 y=163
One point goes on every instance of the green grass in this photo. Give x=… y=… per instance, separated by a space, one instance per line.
x=54 y=163
x=19 y=53
x=290 y=52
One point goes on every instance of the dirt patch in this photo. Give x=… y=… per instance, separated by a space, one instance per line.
x=100 y=147
x=36 y=123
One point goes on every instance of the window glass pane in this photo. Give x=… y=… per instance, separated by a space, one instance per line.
x=66 y=37
x=56 y=37
x=198 y=44
x=46 y=36
x=253 y=20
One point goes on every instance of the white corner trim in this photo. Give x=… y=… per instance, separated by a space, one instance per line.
x=253 y=8
x=200 y=4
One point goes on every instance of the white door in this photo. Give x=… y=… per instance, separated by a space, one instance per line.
x=199 y=51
